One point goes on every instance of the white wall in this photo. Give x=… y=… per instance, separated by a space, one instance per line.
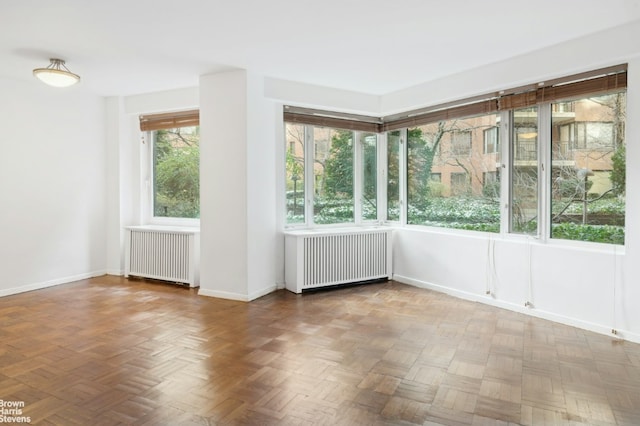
x=52 y=185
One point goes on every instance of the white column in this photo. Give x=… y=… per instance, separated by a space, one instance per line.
x=223 y=185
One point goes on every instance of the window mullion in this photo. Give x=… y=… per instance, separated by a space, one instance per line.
x=382 y=176
x=544 y=170
x=403 y=176
x=506 y=160
x=358 y=176
x=309 y=176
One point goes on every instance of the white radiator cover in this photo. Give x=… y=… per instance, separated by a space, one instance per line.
x=321 y=258
x=163 y=253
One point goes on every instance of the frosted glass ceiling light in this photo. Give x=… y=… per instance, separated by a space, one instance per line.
x=56 y=74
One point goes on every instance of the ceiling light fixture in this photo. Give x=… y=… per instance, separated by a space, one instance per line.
x=56 y=74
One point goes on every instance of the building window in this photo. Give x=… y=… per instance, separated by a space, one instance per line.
x=491 y=141
x=588 y=176
x=444 y=148
x=460 y=184
x=461 y=142
x=594 y=135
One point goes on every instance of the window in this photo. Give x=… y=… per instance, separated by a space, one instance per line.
x=295 y=166
x=461 y=142
x=587 y=178
x=594 y=135
x=523 y=204
x=369 y=153
x=443 y=149
x=176 y=172
x=552 y=155
x=333 y=171
x=174 y=165
x=393 y=174
x=338 y=194
x=460 y=184
x=490 y=137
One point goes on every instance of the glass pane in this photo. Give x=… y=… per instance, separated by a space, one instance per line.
x=333 y=175
x=588 y=169
x=393 y=175
x=369 y=143
x=447 y=175
x=294 y=140
x=176 y=172
x=524 y=172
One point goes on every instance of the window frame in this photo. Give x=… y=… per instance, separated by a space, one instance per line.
x=358 y=178
x=148 y=179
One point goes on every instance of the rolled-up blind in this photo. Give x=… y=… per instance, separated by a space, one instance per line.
x=591 y=83
x=169 y=120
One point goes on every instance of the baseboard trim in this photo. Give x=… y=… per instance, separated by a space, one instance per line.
x=50 y=283
x=236 y=296
x=538 y=313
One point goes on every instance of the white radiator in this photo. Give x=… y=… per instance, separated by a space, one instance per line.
x=163 y=253
x=324 y=258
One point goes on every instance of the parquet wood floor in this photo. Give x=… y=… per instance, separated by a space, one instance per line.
x=110 y=351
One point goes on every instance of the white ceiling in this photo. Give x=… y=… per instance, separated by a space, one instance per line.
x=124 y=47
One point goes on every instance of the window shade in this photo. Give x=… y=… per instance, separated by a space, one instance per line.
x=591 y=83
x=169 y=120
x=332 y=119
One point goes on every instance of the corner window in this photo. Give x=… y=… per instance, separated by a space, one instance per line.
x=544 y=159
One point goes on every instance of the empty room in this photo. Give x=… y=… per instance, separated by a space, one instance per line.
x=299 y=213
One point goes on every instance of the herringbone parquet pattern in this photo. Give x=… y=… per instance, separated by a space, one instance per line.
x=110 y=351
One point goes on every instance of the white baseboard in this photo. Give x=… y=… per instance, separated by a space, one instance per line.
x=50 y=283
x=236 y=296
x=257 y=294
x=481 y=298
